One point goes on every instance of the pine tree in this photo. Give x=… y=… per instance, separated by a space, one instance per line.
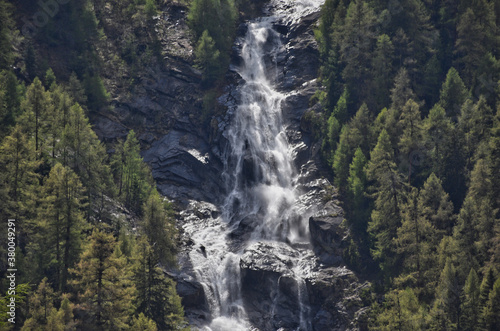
x=438 y=135
x=465 y=234
x=11 y=98
x=382 y=64
x=208 y=58
x=19 y=183
x=62 y=212
x=474 y=124
x=491 y=312
x=156 y=297
x=133 y=176
x=412 y=134
x=37 y=106
x=436 y=207
x=341 y=160
x=453 y=93
x=357 y=184
x=41 y=304
x=357 y=41
x=469 y=317
x=476 y=36
x=402 y=312
x=446 y=310
x=6 y=27
x=414 y=243
x=104 y=284
x=388 y=192
x=76 y=90
x=142 y=323
x=159 y=228
x=402 y=91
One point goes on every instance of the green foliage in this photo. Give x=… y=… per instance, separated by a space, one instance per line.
x=156 y=297
x=104 y=283
x=453 y=93
x=389 y=194
x=6 y=31
x=213 y=23
x=446 y=146
x=56 y=190
x=132 y=176
x=208 y=58
x=97 y=96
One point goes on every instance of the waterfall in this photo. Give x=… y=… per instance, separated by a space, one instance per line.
x=261 y=181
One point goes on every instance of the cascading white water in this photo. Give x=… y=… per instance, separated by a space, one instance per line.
x=260 y=177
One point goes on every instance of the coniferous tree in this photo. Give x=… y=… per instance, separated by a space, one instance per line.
x=453 y=93
x=41 y=304
x=60 y=232
x=6 y=32
x=156 y=297
x=104 y=284
x=382 y=64
x=356 y=45
x=159 y=227
x=414 y=243
x=341 y=160
x=411 y=138
x=402 y=312
x=208 y=58
x=388 y=192
x=446 y=310
x=436 y=207
x=438 y=135
x=476 y=36
x=142 y=323
x=491 y=312
x=470 y=304
x=357 y=183
x=37 y=107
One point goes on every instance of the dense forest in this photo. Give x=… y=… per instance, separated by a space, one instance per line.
x=411 y=130
x=409 y=125
x=93 y=236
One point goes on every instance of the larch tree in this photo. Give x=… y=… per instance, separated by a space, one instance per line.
x=388 y=190
x=470 y=303
x=104 y=284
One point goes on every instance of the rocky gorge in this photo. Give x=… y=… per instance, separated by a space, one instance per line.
x=262 y=231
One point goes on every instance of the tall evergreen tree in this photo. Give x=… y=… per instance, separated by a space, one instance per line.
x=453 y=93
x=156 y=297
x=388 y=192
x=446 y=310
x=412 y=134
x=436 y=207
x=104 y=284
x=470 y=304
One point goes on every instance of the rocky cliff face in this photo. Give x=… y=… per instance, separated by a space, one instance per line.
x=187 y=156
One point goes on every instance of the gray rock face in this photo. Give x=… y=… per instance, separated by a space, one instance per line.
x=184 y=167
x=284 y=285
x=327 y=233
